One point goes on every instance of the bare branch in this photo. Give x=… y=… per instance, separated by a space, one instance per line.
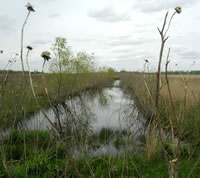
x=166 y=39
x=169 y=23
x=165 y=20
x=159 y=30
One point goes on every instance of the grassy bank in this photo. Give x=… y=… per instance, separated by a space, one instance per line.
x=185 y=92
x=37 y=154
x=17 y=102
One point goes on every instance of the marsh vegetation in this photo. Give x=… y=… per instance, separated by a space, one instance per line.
x=74 y=119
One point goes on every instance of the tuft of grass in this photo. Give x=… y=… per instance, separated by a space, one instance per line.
x=105 y=135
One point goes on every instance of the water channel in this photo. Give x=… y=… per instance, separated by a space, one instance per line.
x=109 y=109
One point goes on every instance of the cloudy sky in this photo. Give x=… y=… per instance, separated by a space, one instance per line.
x=120 y=33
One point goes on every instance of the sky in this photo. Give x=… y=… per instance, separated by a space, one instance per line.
x=120 y=33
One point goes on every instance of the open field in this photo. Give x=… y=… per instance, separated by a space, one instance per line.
x=185 y=92
x=182 y=85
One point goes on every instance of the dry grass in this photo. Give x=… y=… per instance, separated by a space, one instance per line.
x=185 y=91
x=182 y=85
x=152 y=146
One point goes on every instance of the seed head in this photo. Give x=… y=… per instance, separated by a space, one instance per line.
x=178 y=10
x=46 y=55
x=1 y=51
x=29 y=47
x=174 y=160
x=146 y=61
x=30 y=7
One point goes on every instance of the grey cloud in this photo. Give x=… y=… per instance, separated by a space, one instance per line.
x=128 y=42
x=121 y=51
x=136 y=55
x=90 y=38
x=186 y=53
x=54 y=15
x=158 y=5
x=108 y=14
x=191 y=54
x=131 y=63
x=130 y=54
x=40 y=42
x=7 y=24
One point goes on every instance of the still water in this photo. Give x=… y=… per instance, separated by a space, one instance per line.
x=108 y=108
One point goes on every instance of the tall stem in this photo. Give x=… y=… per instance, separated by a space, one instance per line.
x=22 y=40
x=34 y=95
x=46 y=91
x=159 y=74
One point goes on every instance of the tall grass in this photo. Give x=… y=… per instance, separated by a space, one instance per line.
x=186 y=125
x=73 y=84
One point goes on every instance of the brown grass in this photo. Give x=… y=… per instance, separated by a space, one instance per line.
x=185 y=90
x=182 y=85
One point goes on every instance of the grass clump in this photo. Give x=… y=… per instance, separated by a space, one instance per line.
x=53 y=161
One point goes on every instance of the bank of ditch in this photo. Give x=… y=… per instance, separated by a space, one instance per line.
x=18 y=104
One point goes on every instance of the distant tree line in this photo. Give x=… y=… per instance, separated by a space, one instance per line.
x=193 y=72
x=17 y=72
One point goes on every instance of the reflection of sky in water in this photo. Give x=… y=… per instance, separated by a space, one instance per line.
x=112 y=115
x=107 y=109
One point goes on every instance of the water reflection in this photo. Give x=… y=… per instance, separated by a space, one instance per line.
x=86 y=115
x=108 y=107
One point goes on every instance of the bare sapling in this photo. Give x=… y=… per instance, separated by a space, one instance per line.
x=172 y=165
x=164 y=38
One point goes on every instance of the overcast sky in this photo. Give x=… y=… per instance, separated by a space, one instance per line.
x=120 y=33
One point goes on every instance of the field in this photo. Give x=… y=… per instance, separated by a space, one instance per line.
x=182 y=85
x=180 y=115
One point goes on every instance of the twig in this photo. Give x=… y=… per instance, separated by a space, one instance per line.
x=168 y=87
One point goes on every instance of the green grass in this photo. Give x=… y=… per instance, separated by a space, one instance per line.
x=134 y=166
x=17 y=102
x=45 y=157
